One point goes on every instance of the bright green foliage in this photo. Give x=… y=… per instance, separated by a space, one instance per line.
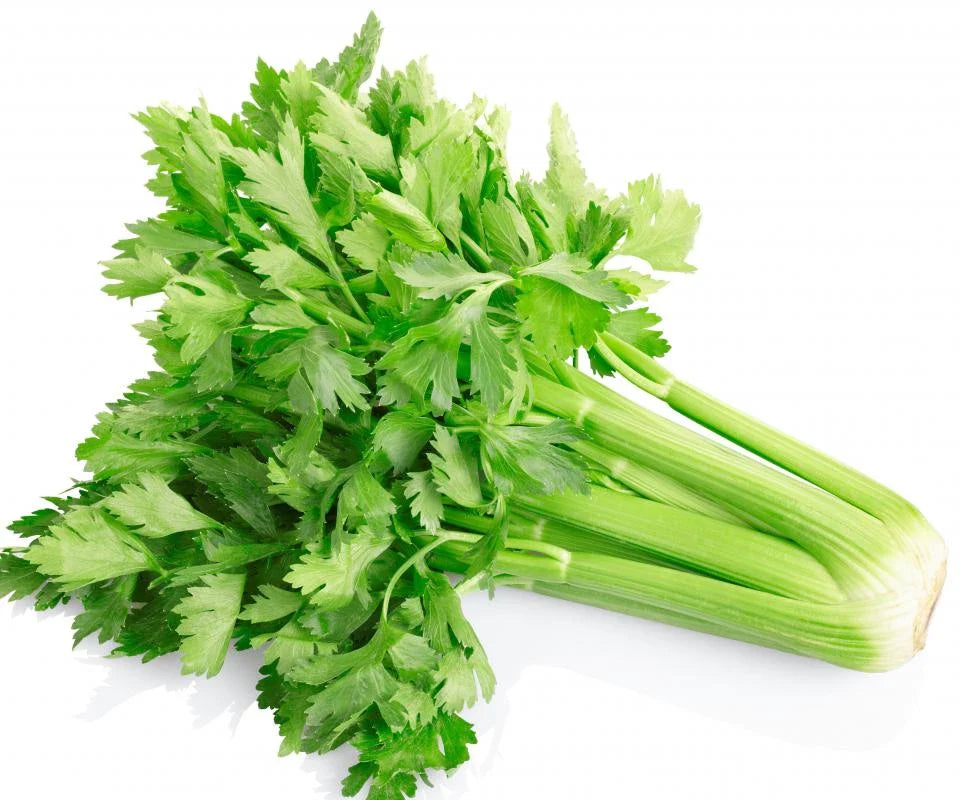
x=208 y=613
x=145 y=274
x=241 y=481
x=87 y=547
x=321 y=378
x=566 y=303
x=426 y=502
x=402 y=435
x=636 y=327
x=18 y=577
x=355 y=301
x=566 y=181
x=527 y=459
x=332 y=582
x=284 y=268
x=277 y=183
x=662 y=225
x=200 y=311
x=154 y=510
x=105 y=610
x=271 y=604
x=454 y=471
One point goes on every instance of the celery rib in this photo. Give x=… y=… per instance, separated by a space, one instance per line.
x=706 y=545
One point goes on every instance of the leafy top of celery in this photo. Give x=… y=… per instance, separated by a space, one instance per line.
x=353 y=293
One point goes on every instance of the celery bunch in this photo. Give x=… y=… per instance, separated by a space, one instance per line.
x=367 y=378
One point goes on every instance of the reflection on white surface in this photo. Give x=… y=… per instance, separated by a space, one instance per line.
x=229 y=695
x=776 y=694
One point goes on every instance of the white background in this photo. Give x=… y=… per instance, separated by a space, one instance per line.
x=821 y=140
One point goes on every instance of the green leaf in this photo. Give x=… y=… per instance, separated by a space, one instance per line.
x=366 y=242
x=458 y=676
x=105 y=611
x=150 y=629
x=290 y=645
x=241 y=481
x=200 y=311
x=341 y=128
x=355 y=63
x=320 y=377
x=408 y=707
x=202 y=169
x=527 y=459
x=34 y=524
x=209 y=613
x=147 y=273
x=438 y=275
x=364 y=500
x=164 y=238
x=575 y=273
x=299 y=451
x=113 y=455
x=391 y=761
x=565 y=304
x=332 y=581
x=285 y=268
x=267 y=99
x=636 y=284
x=328 y=666
x=86 y=547
x=271 y=604
x=228 y=548
x=163 y=125
x=426 y=504
x=454 y=473
x=442 y=123
x=301 y=93
x=405 y=221
x=411 y=654
x=215 y=370
x=280 y=315
x=598 y=232
x=154 y=509
x=493 y=374
x=18 y=577
x=401 y=96
x=508 y=234
x=425 y=358
x=336 y=709
x=661 y=226
x=434 y=181
x=401 y=435
x=343 y=187
x=277 y=183
x=444 y=624
x=566 y=181
x=636 y=327
x=559 y=320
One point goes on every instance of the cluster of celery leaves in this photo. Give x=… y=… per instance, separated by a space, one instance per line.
x=354 y=291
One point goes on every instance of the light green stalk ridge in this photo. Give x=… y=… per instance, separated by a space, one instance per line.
x=652 y=484
x=713 y=547
x=901 y=519
x=538 y=528
x=876 y=546
x=870 y=635
x=851 y=544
